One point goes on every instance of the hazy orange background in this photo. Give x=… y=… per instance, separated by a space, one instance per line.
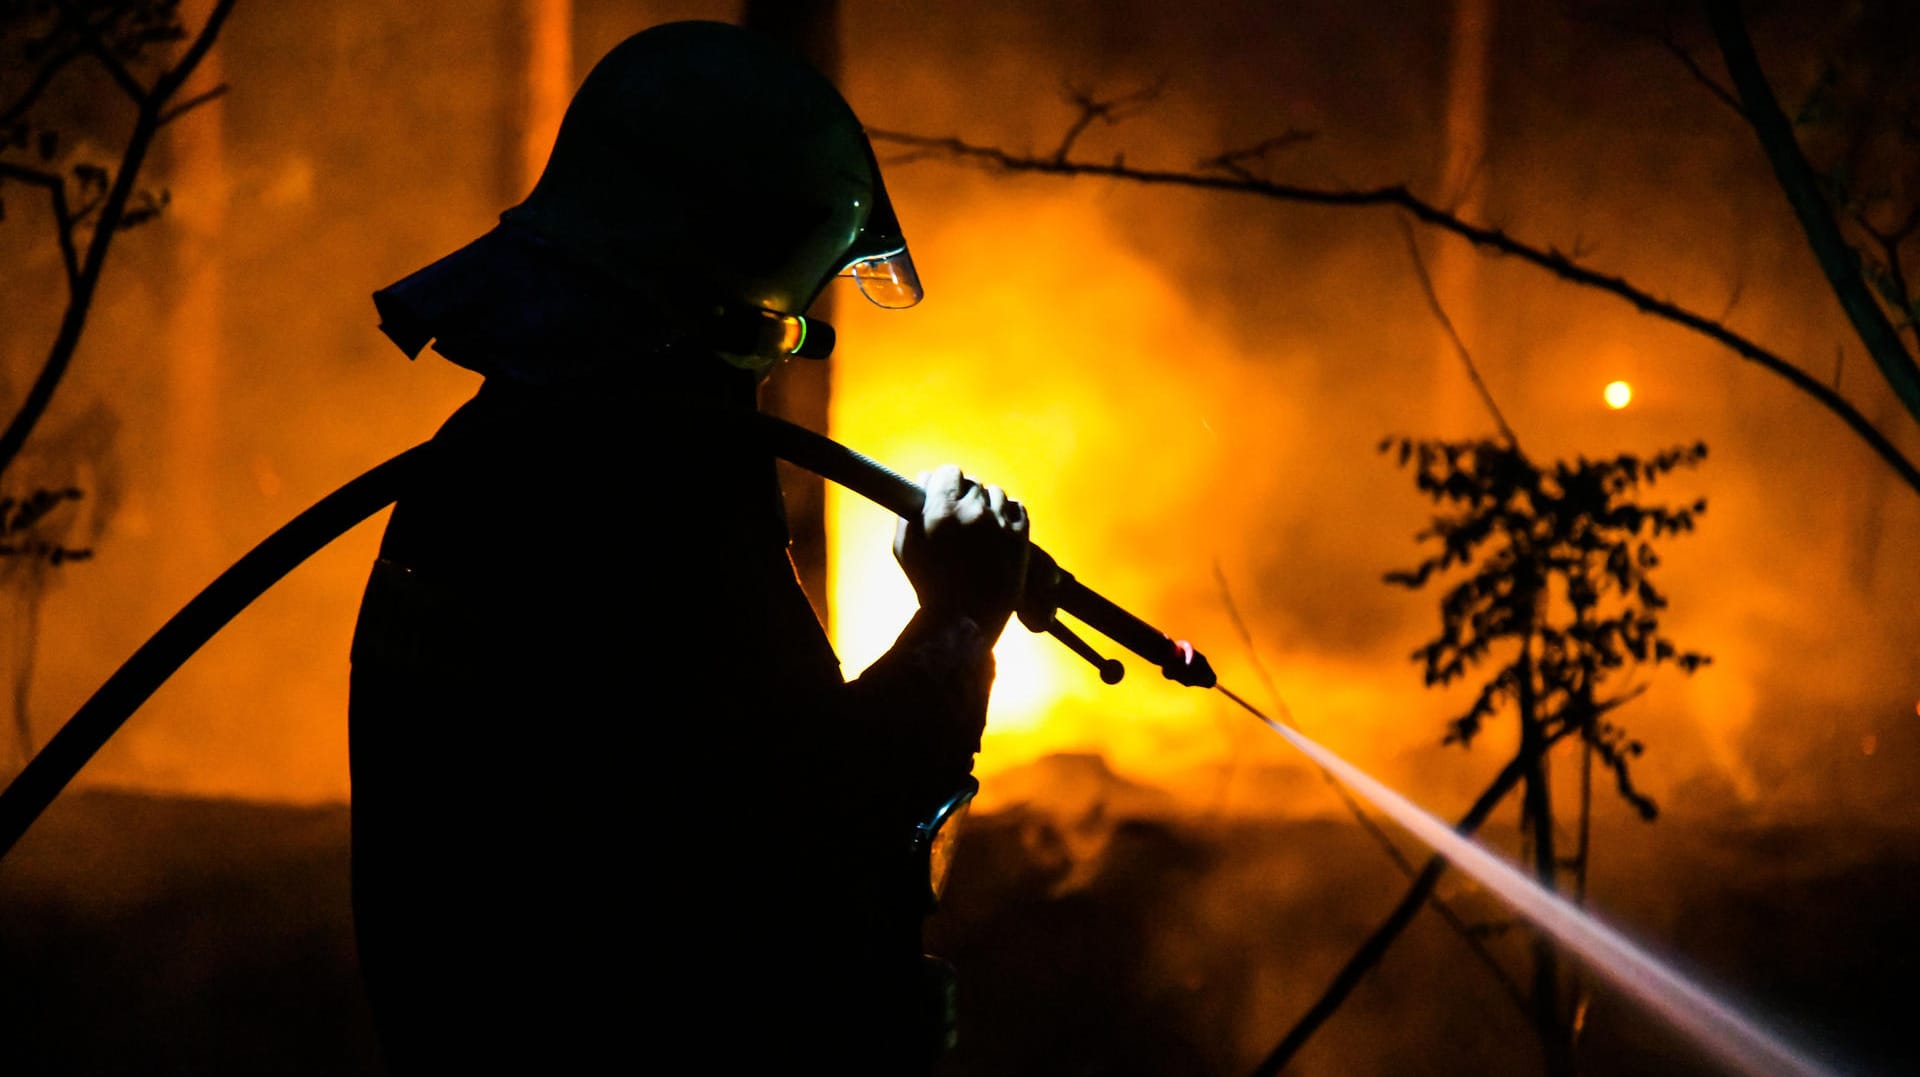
x=1173 y=381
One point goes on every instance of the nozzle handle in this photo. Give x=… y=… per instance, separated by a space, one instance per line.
x=1050 y=588
x=1111 y=671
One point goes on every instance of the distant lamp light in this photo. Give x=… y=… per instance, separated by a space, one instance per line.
x=1619 y=394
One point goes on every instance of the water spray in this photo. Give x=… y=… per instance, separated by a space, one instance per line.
x=1731 y=1037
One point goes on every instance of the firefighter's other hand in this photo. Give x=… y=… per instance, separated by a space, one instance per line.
x=967 y=553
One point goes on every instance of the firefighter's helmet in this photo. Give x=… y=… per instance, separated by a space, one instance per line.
x=701 y=168
x=705 y=152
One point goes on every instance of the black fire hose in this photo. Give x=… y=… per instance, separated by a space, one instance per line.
x=1049 y=589
x=102 y=715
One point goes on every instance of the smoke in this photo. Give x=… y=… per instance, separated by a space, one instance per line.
x=1172 y=380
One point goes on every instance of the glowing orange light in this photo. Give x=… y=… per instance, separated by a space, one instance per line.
x=1619 y=394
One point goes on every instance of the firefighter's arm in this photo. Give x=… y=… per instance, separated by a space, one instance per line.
x=922 y=706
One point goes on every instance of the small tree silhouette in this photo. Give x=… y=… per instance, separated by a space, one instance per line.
x=1559 y=581
x=1558 y=591
x=31 y=546
x=1574 y=530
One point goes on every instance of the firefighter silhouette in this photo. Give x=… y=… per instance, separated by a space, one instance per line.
x=612 y=797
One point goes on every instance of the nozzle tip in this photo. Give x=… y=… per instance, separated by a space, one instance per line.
x=1189 y=667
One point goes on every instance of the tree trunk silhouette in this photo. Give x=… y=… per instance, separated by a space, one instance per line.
x=1536 y=815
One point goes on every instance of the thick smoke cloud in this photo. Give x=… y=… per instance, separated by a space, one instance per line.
x=1185 y=387
x=1178 y=380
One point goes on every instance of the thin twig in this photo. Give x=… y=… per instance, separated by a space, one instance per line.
x=1375 y=946
x=1890 y=243
x=192 y=103
x=1110 y=111
x=1720 y=93
x=1367 y=822
x=112 y=210
x=62 y=220
x=1734 y=294
x=1665 y=37
x=1459 y=346
x=88 y=208
x=1397 y=195
x=1273 y=696
x=1839 y=261
x=1233 y=162
x=177 y=76
x=1620 y=700
x=38 y=86
x=93 y=40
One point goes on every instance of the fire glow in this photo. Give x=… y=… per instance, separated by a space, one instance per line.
x=1116 y=443
x=1081 y=344
x=931 y=409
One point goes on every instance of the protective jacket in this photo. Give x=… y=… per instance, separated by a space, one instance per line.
x=611 y=794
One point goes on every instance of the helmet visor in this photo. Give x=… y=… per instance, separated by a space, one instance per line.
x=887 y=280
x=878 y=260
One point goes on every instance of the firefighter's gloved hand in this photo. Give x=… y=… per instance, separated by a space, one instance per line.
x=967 y=554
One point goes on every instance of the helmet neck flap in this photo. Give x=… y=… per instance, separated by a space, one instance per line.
x=705 y=186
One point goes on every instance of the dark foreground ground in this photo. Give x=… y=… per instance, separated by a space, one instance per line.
x=143 y=935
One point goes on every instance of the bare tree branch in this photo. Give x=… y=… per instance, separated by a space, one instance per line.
x=177 y=76
x=1839 y=261
x=1719 y=92
x=112 y=211
x=1494 y=239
